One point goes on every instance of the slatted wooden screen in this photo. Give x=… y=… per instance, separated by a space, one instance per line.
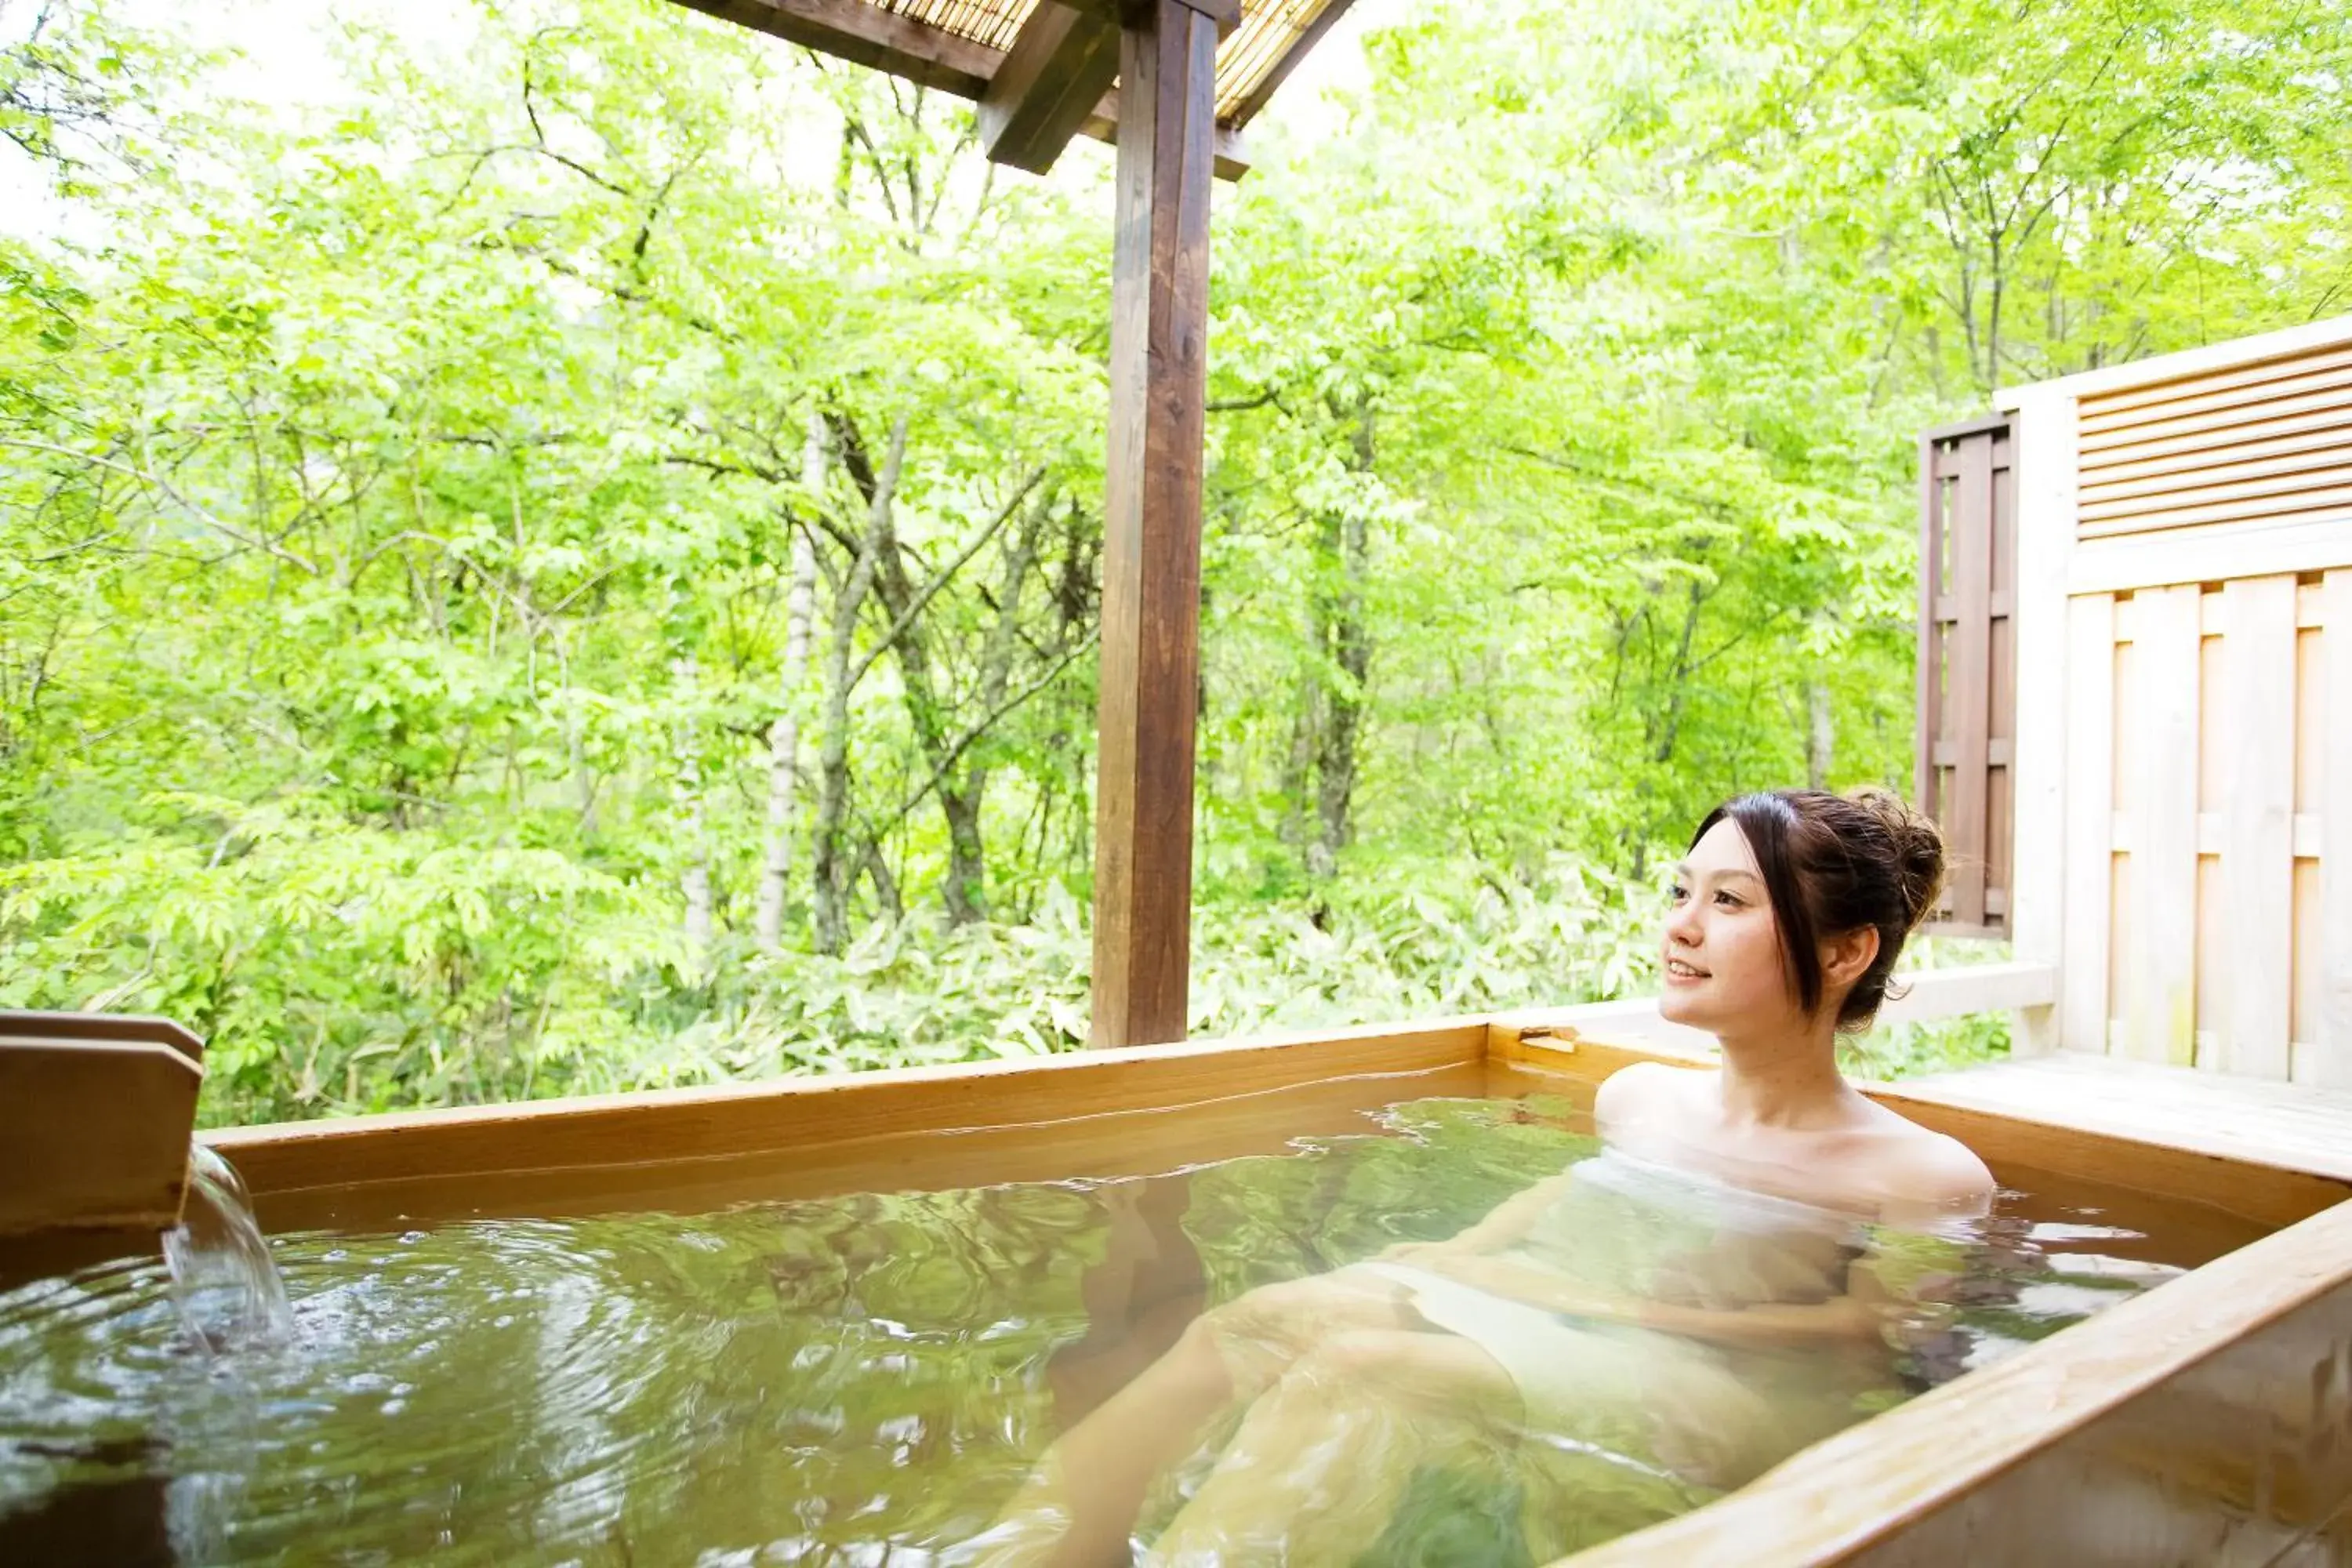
x=2209 y=846
x=1967 y=675
x=2253 y=442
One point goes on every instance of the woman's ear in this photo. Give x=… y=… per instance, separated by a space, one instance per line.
x=1847 y=958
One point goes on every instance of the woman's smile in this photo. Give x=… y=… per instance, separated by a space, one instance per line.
x=1683 y=972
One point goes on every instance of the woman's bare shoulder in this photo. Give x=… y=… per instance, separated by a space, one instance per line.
x=1920 y=1167
x=1641 y=1091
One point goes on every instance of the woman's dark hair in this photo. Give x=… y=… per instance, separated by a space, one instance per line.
x=1834 y=864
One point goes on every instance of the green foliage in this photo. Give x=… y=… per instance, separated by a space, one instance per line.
x=411 y=545
x=336 y=966
x=1939 y=1045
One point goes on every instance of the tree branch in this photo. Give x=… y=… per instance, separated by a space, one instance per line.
x=972 y=732
x=265 y=546
x=939 y=580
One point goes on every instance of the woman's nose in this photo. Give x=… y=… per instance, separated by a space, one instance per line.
x=1682 y=926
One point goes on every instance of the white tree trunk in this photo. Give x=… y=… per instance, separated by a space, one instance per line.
x=785 y=734
x=693 y=833
x=1820 y=745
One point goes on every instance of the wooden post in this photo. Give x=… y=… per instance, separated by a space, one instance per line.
x=1151 y=524
x=2332 y=1065
x=1968 y=680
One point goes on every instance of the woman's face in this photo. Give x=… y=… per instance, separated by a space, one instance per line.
x=1721 y=950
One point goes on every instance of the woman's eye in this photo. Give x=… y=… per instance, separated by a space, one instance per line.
x=1677 y=893
x=1727 y=901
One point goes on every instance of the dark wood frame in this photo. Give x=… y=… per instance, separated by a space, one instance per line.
x=1150 y=681
x=1966 y=724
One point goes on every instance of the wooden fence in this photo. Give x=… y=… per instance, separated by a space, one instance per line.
x=1967 y=664
x=2183 y=766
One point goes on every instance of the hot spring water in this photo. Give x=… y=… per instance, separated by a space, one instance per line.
x=852 y=1380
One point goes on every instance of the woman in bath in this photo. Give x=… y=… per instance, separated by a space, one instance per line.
x=1684 y=1308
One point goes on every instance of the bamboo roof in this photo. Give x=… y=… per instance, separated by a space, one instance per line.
x=1247 y=59
x=957 y=46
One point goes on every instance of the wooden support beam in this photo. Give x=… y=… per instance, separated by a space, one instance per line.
x=866 y=34
x=1232 y=151
x=1058 y=69
x=1151 y=545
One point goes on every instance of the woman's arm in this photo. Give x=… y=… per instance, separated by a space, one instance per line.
x=1620 y=1100
x=1848 y=1319
x=1506 y=1223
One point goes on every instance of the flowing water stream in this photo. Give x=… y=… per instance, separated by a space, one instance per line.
x=225 y=1284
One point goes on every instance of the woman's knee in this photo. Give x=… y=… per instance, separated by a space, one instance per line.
x=1268 y=1316
x=1426 y=1371
x=1355 y=1363
x=1247 y=1341
x=1257 y=1337
x=1306 y=1310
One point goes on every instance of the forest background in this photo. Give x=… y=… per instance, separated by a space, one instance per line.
x=572 y=565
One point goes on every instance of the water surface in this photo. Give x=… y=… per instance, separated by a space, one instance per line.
x=851 y=1378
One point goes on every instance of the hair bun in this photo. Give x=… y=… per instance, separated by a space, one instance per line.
x=1918 y=847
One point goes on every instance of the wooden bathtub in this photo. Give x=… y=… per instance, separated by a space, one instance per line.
x=2209 y=1420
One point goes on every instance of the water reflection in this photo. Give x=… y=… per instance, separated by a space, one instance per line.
x=846 y=1380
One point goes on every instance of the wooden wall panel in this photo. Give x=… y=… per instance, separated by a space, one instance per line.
x=2212 y=757
x=2254 y=729
x=2308 y=1064
x=1967 y=678
x=2332 y=1056
x=2253 y=443
x=2118 y=977
x=2195 y=914
x=1934 y=569
x=2161 y=1014
x=2305 y=1052
x=2310 y=748
x=2211 y=992
x=2213 y=989
x=2089 y=805
x=2035 y=784
x=2189 y=588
